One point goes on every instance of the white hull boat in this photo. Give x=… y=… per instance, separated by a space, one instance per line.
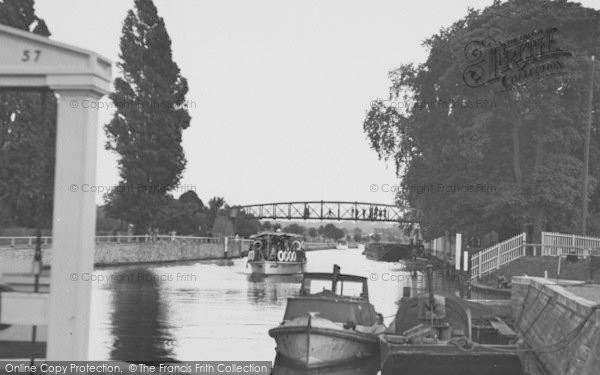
x=266 y=267
x=276 y=253
x=322 y=343
x=326 y=329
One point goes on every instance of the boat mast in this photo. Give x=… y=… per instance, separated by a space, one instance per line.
x=429 y=270
x=336 y=272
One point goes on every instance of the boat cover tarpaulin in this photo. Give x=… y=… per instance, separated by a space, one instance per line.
x=339 y=311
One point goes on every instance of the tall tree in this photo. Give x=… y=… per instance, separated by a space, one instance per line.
x=215 y=204
x=294 y=228
x=520 y=145
x=27 y=138
x=146 y=129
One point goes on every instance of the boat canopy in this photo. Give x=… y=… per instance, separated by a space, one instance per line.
x=411 y=311
x=338 y=311
x=275 y=234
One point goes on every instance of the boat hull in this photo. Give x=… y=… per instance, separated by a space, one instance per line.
x=448 y=359
x=358 y=367
x=388 y=252
x=313 y=347
x=277 y=268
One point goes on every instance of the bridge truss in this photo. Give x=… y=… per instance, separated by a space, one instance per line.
x=328 y=210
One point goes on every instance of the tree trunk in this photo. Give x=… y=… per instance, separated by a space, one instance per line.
x=539 y=217
x=516 y=130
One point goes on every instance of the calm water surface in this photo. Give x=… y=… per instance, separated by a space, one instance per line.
x=214 y=310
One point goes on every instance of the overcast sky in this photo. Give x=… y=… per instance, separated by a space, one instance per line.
x=278 y=89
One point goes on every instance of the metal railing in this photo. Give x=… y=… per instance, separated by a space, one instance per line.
x=29 y=242
x=492 y=258
x=23 y=242
x=156 y=238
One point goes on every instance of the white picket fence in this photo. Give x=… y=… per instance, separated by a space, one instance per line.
x=560 y=244
x=492 y=258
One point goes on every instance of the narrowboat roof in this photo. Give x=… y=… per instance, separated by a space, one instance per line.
x=274 y=234
x=330 y=276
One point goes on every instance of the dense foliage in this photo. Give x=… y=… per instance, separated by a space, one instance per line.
x=27 y=138
x=519 y=144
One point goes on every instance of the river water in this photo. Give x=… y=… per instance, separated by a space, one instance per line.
x=214 y=310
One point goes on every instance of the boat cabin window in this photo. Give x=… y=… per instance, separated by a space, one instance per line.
x=361 y=313
x=343 y=288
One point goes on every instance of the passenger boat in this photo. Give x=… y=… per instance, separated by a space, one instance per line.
x=276 y=253
x=435 y=334
x=331 y=327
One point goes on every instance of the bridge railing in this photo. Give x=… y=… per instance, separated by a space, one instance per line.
x=492 y=258
x=327 y=210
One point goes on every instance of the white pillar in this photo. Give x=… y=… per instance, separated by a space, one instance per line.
x=457 y=251
x=74 y=225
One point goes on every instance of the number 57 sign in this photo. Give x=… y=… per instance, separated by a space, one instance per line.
x=28 y=53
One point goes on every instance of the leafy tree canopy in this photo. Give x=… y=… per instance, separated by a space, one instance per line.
x=518 y=144
x=27 y=138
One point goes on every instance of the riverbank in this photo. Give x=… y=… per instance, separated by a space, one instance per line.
x=166 y=250
x=121 y=253
x=538 y=266
x=560 y=323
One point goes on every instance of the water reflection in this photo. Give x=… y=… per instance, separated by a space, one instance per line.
x=138 y=318
x=272 y=289
x=210 y=310
x=363 y=367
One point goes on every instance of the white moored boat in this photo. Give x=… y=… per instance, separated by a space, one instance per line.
x=328 y=328
x=276 y=253
x=342 y=245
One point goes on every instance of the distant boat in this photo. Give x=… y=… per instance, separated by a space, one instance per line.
x=328 y=328
x=276 y=253
x=391 y=251
x=342 y=245
x=446 y=335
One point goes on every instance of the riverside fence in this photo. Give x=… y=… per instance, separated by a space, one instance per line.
x=492 y=258
x=552 y=244
x=555 y=244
